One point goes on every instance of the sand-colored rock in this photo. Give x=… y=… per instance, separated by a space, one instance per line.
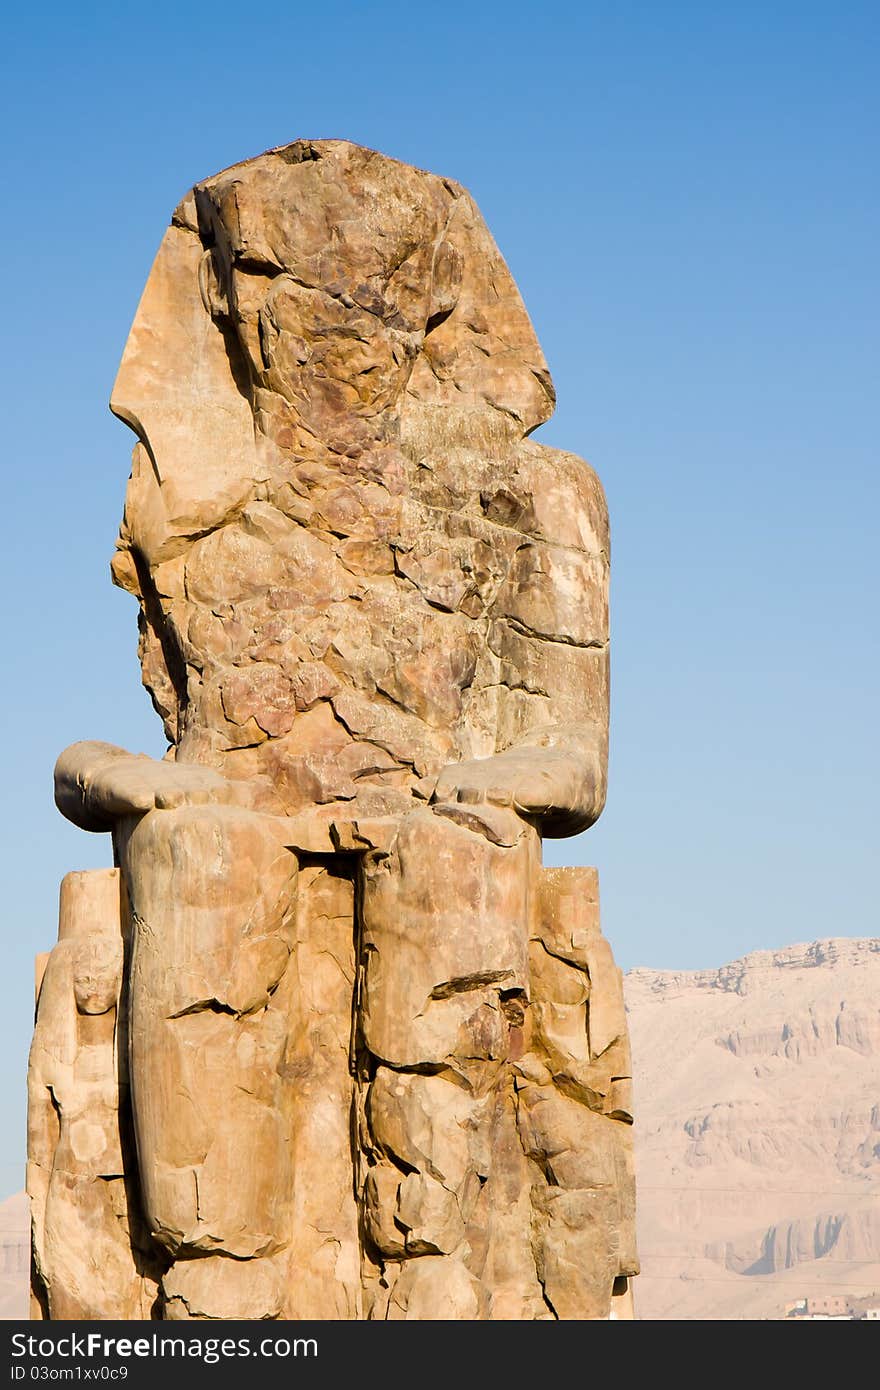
x=377 y=1055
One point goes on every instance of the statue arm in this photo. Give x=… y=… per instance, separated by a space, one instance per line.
x=97 y=783
x=555 y=777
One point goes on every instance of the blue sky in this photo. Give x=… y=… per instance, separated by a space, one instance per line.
x=687 y=196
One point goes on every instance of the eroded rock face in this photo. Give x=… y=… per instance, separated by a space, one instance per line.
x=377 y=1054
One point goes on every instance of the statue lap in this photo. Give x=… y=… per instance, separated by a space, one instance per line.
x=445 y=1024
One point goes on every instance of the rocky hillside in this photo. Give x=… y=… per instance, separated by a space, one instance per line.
x=758 y=1130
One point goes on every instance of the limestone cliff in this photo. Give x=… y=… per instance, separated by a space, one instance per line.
x=758 y=1142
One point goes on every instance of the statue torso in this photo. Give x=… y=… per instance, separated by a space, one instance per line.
x=363 y=622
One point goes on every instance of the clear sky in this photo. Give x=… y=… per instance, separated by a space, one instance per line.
x=687 y=196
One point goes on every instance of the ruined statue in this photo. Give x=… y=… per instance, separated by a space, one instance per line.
x=327 y=1041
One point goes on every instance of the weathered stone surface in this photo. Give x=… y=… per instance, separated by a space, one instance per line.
x=91 y=1258
x=378 y=1055
x=435 y=961
x=212 y=894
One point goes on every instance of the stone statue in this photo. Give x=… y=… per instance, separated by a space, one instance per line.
x=328 y=1042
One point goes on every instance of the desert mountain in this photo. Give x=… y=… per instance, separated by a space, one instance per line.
x=757 y=1094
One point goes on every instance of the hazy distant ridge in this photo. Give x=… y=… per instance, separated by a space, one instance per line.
x=758 y=1129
